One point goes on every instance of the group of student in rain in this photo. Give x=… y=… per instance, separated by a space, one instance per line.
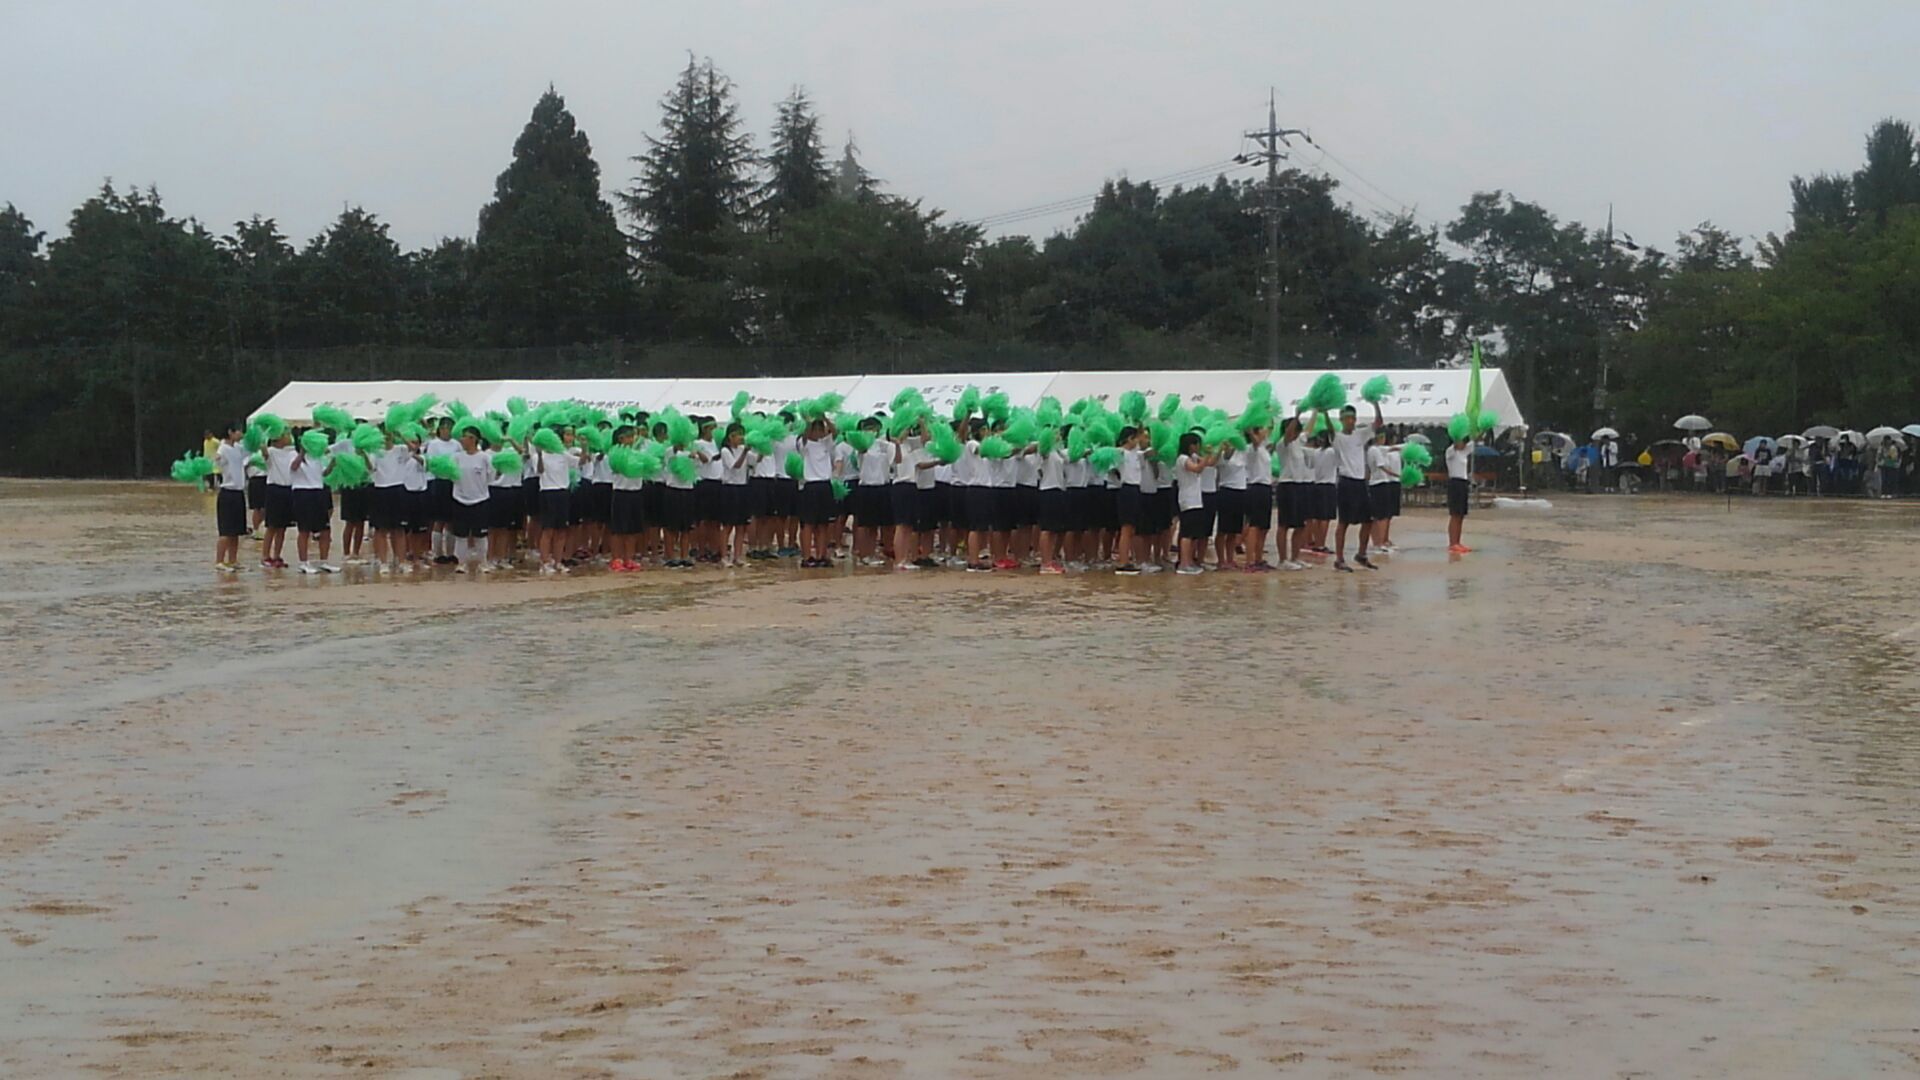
x=984 y=486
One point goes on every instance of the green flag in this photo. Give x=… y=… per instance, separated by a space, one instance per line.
x=1473 y=389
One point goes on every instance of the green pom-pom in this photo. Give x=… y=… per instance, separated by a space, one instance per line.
x=681 y=430
x=968 y=403
x=314 y=443
x=1080 y=407
x=192 y=468
x=548 y=441
x=1020 y=428
x=398 y=416
x=1488 y=421
x=443 y=467
x=598 y=440
x=508 y=463
x=829 y=402
x=653 y=461
x=683 y=468
x=624 y=460
x=346 y=471
x=1103 y=429
x=761 y=435
x=271 y=425
x=796 y=465
x=908 y=396
x=1376 y=389
x=1169 y=407
x=1328 y=394
x=1166 y=440
x=1133 y=407
x=458 y=410
x=741 y=399
x=1046 y=438
x=1048 y=413
x=1260 y=393
x=861 y=441
x=944 y=445
x=413 y=430
x=996 y=408
x=516 y=405
x=840 y=490
x=254 y=439
x=333 y=418
x=1459 y=427
x=1106 y=459
x=258 y=461
x=419 y=407
x=521 y=426
x=1416 y=456
x=1321 y=425
x=491 y=432
x=995 y=448
x=464 y=425
x=905 y=420
x=369 y=439
x=1411 y=476
x=1259 y=414
x=1078 y=445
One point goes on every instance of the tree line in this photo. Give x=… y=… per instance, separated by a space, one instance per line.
x=727 y=257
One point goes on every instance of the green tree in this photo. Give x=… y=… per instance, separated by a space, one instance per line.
x=260 y=282
x=549 y=262
x=797 y=177
x=20 y=267
x=352 y=282
x=1891 y=176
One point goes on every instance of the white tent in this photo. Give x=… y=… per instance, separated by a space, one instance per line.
x=876 y=392
x=365 y=400
x=1422 y=396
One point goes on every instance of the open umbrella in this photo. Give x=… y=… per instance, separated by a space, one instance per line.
x=1693 y=422
x=1483 y=450
x=1913 y=430
x=1883 y=433
x=1605 y=433
x=1553 y=440
x=1722 y=440
x=1754 y=444
x=1850 y=436
x=1821 y=431
x=1419 y=438
x=1790 y=442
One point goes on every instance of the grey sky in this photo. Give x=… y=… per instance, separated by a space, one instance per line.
x=1674 y=112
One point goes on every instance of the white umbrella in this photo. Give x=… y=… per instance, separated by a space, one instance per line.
x=1693 y=422
x=1605 y=433
x=1790 y=442
x=1850 y=436
x=1913 y=430
x=1821 y=431
x=1883 y=433
x=1419 y=438
x=1555 y=439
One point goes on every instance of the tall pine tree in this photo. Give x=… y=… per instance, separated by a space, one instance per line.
x=851 y=180
x=549 y=261
x=690 y=203
x=797 y=175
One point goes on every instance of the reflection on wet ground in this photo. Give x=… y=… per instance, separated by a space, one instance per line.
x=1629 y=792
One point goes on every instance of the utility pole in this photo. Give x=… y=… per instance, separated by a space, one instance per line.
x=1271 y=140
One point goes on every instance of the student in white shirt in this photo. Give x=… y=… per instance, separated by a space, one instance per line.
x=312 y=509
x=1326 y=500
x=390 y=504
x=904 y=493
x=736 y=461
x=440 y=492
x=1195 y=521
x=1259 y=467
x=1383 y=486
x=556 y=467
x=1459 y=492
x=1131 y=504
x=279 y=455
x=817 y=511
x=626 y=507
x=230 y=504
x=871 y=499
x=707 y=510
x=419 y=513
x=1053 y=509
x=506 y=509
x=1230 y=506
x=471 y=489
x=1350 y=443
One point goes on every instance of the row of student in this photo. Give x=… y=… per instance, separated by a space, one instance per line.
x=904 y=504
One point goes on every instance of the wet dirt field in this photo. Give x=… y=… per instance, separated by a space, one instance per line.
x=1632 y=791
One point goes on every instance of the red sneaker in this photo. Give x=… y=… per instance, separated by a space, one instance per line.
x=1006 y=564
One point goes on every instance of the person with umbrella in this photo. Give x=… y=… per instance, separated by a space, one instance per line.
x=1890 y=466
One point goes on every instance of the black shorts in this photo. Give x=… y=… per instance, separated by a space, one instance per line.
x=872 y=505
x=766 y=498
x=389 y=508
x=469 y=519
x=1294 y=509
x=419 y=513
x=1027 y=505
x=230 y=512
x=1231 y=503
x=599 y=502
x=1326 y=503
x=440 y=499
x=555 y=509
x=529 y=495
x=1053 y=510
x=1356 y=506
x=279 y=506
x=816 y=505
x=256 y=493
x=1381 y=496
x=313 y=509
x=653 y=504
x=983 y=509
x=506 y=507
x=707 y=498
x=954 y=504
x=1130 y=508
x=1165 y=507
x=1459 y=494
x=736 y=505
x=627 y=514
x=1259 y=506
x=676 y=509
x=905 y=501
x=356 y=503
x=1196 y=524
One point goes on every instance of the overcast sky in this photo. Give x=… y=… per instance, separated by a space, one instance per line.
x=1673 y=112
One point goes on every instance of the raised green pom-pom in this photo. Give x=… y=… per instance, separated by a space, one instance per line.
x=1459 y=427
x=996 y=408
x=741 y=399
x=443 y=467
x=369 y=439
x=548 y=441
x=861 y=441
x=192 y=468
x=314 y=443
x=346 y=471
x=1376 y=389
x=909 y=396
x=796 y=465
x=1488 y=421
x=683 y=468
x=508 y=463
x=968 y=403
x=333 y=418
x=1415 y=456
x=1169 y=408
x=944 y=445
x=272 y=425
x=1328 y=394
x=516 y=405
x=624 y=460
x=995 y=448
x=1411 y=476
x=1133 y=407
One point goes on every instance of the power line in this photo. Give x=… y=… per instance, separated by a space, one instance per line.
x=1077 y=202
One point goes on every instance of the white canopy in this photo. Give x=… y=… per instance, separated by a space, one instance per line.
x=1422 y=396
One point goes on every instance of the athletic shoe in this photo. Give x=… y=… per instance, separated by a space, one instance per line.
x=460 y=569
x=549 y=568
x=1151 y=568
x=1189 y=571
x=979 y=568
x=1006 y=564
x=267 y=564
x=906 y=566
x=926 y=563
x=1077 y=566
x=872 y=560
x=1127 y=570
x=308 y=568
x=1342 y=567
x=684 y=564
x=329 y=568
x=1364 y=561
x=958 y=563
x=1292 y=565
x=1053 y=568
x=381 y=568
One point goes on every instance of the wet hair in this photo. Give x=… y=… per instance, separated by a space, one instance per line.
x=1126 y=434
x=1189 y=442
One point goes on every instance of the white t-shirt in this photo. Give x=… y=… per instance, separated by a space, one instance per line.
x=279 y=465
x=554 y=469
x=943 y=474
x=1325 y=467
x=1459 y=462
x=438 y=445
x=818 y=456
x=231 y=459
x=1152 y=476
x=969 y=469
x=712 y=468
x=1052 y=470
x=1004 y=470
x=1027 y=469
x=673 y=481
x=1210 y=479
x=1377 y=465
x=1131 y=468
x=1296 y=462
x=876 y=464
x=414 y=472
x=1259 y=465
x=598 y=470
x=1077 y=473
x=907 y=470
x=308 y=472
x=1233 y=470
x=470 y=486
x=500 y=479
x=390 y=466
x=1350 y=451
x=843 y=467
x=736 y=462
x=1188 y=483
